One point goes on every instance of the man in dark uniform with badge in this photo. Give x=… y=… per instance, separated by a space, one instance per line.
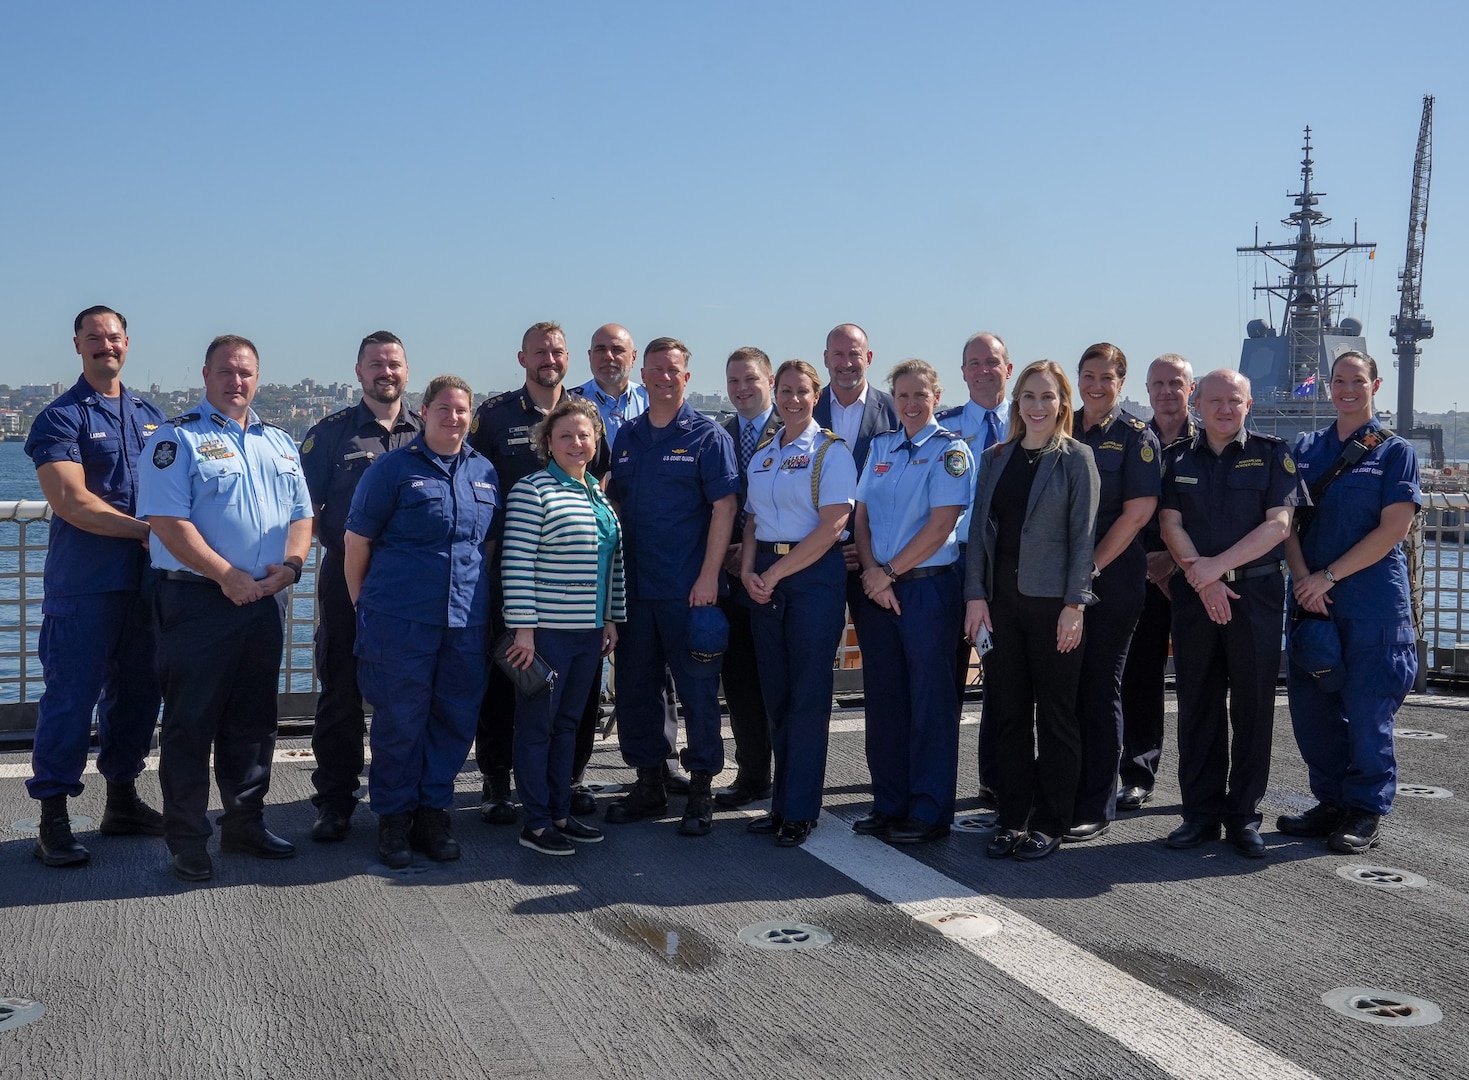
x=750 y=382
x=231 y=517
x=1228 y=499
x=501 y=432
x=1170 y=388
x=334 y=456
x=675 y=483
x=96 y=640
x=981 y=422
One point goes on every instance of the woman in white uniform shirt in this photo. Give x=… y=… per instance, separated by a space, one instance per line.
x=802 y=486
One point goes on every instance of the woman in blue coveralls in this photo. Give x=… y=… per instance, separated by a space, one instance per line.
x=1129 y=465
x=800 y=495
x=1348 y=563
x=916 y=482
x=1028 y=582
x=416 y=571
x=564 y=593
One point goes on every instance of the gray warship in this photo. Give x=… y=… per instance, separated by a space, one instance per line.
x=1288 y=368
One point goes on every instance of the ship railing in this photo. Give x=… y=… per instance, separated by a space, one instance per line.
x=1436 y=551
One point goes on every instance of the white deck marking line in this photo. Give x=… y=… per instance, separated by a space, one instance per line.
x=1179 y=1039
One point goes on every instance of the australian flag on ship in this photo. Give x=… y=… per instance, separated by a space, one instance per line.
x=1307 y=388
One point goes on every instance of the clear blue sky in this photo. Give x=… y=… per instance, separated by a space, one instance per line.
x=304 y=173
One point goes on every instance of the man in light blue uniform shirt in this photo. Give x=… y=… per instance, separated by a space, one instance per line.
x=982 y=421
x=613 y=356
x=230 y=513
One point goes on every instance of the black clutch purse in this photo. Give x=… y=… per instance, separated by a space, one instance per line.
x=528 y=682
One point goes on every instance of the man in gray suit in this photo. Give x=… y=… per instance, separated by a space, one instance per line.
x=855 y=410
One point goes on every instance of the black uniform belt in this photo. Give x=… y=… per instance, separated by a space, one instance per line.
x=775 y=547
x=1246 y=572
x=186 y=575
x=920 y=572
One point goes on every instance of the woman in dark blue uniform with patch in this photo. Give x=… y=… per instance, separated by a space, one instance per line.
x=916 y=482
x=802 y=485
x=1130 y=469
x=416 y=569
x=1348 y=563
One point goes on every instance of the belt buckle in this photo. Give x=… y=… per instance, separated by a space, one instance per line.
x=781 y=549
x=1229 y=575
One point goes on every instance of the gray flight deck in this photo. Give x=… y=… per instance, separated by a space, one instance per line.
x=1117 y=958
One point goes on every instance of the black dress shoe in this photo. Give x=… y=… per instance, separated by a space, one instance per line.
x=1323 y=819
x=430 y=834
x=1132 y=798
x=1036 y=845
x=583 y=802
x=794 y=833
x=255 y=840
x=915 y=831
x=579 y=832
x=1087 y=830
x=495 y=806
x=1247 y=841
x=1003 y=844
x=742 y=793
x=1191 y=834
x=1359 y=833
x=875 y=824
x=192 y=866
x=765 y=824
x=333 y=823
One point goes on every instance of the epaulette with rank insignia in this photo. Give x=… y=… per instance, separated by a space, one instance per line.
x=269 y=423
x=184 y=418
x=496 y=399
x=1134 y=423
x=1264 y=435
x=340 y=414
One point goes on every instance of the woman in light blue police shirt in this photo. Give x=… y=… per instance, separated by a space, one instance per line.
x=801 y=489
x=915 y=483
x=1349 y=563
x=416 y=570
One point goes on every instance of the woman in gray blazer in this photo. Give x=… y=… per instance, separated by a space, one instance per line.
x=1027 y=586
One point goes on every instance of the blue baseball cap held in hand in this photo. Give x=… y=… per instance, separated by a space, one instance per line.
x=708 y=633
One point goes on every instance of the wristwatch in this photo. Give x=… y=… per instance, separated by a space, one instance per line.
x=887 y=568
x=1328 y=575
x=295 y=566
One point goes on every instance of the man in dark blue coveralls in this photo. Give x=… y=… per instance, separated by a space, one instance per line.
x=96 y=641
x=1228 y=498
x=334 y=456
x=501 y=432
x=674 y=480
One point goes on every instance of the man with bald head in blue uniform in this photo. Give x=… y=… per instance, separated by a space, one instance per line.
x=96 y=641
x=230 y=511
x=674 y=480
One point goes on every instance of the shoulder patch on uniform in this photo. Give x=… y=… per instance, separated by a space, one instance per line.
x=1290 y=465
x=1146 y=453
x=956 y=462
x=184 y=418
x=165 y=452
x=308 y=444
x=474 y=424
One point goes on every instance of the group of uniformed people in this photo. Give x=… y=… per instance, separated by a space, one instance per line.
x=563 y=526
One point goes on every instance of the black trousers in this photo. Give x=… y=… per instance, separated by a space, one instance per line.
x=1226 y=699
x=1030 y=698
x=340 y=728
x=741 y=683
x=1142 y=691
x=219 y=666
x=1109 y=627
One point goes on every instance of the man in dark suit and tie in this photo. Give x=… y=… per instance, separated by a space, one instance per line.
x=750 y=383
x=855 y=411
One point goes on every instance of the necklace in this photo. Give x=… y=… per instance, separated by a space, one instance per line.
x=1032 y=456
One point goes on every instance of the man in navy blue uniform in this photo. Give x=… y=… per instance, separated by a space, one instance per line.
x=750 y=382
x=501 y=432
x=981 y=422
x=334 y=456
x=1170 y=388
x=854 y=410
x=675 y=481
x=1228 y=498
x=96 y=641
x=231 y=517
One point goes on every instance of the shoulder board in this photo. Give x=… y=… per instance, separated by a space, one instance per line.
x=832 y=436
x=1134 y=423
x=770 y=438
x=340 y=414
x=945 y=433
x=579 y=390
x=1265 y=436
x=500 y=398
x=268 y=423
x=947 y=413
x=184 y=418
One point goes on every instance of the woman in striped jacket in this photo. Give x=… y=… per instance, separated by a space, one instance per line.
x=564 y=593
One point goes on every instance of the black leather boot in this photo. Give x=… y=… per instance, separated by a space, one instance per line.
x=430 y=835
x=698 y=815
x=56 y=846
x=496 y=807
x=646 y=799
x=127 y=814
x=392 y=840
